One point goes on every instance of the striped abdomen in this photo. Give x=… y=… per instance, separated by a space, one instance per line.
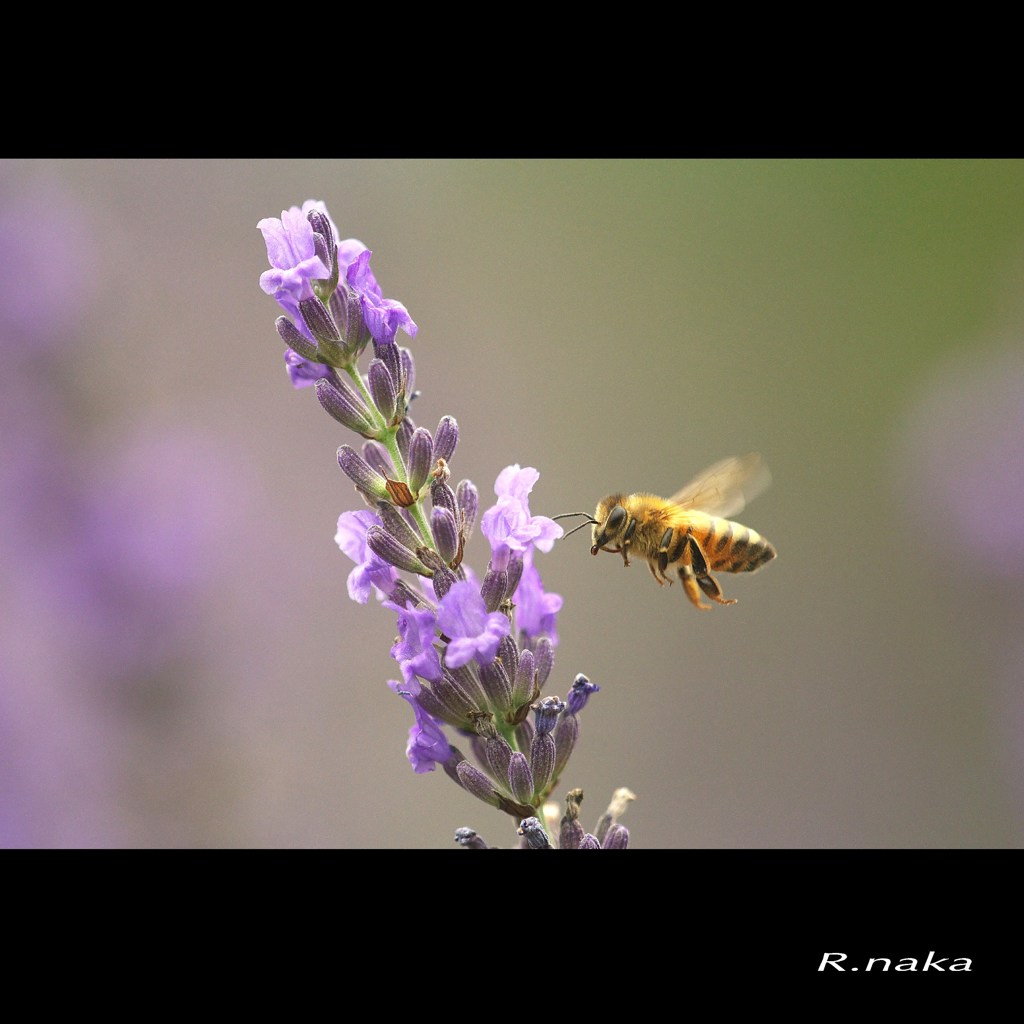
x=729 y=546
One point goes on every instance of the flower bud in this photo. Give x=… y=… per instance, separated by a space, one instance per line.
x=498 y=754
x=589 y=842
x=296 y=340
x=468 y=500
x=382 y=390
x=326 y=247
x=522 y=686
x=403 y=595
x=468 y=682
x=443 y=580
x=376 y=456
x=381 y=543
x=455 y=699
x=509 y=654
x=515 y=574
x=345 y=405
x=446 y=536
x=567 y=732
x=408 y=372
x=616 y=838
x=365 y=478
x=542 y=762
x=520 y=778
x=524 y=734
x=544 y=659
x=395 y=523
x=402 y=437
x=493 y=588
x=348 y=315
x=421 y=449
x=322 y=326
x=445 y=438
x=497 y=686
x=433 y=705
x=477 y=783
x=442 y=496
x=389 y=355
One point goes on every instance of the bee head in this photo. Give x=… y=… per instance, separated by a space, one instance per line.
x=610 y=519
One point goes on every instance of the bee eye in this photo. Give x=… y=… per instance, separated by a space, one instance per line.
x=615 y=519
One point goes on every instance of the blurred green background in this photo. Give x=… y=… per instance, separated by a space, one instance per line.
x=618 y=324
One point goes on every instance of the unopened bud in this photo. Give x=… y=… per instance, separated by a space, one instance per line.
x=297 y=341
x=365 y=478
x=446 y=437
x=382 y=389
x=381 y=543
x=421 y=448
x=345 y=405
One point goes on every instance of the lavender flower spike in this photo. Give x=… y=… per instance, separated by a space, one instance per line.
x=462 y=665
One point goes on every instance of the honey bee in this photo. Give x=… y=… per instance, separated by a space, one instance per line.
x=688 y=532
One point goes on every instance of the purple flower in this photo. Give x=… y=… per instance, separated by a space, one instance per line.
x=383 y=317
x=293 y=258
x=508 y=525
x=414 y=650
x=462 y=616
x=371 y=570
x=580 y=693
x=427 y=746
x=536 y=610
x=301 y=371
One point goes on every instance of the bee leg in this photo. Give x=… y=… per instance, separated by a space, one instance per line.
x=660 y=580
x=627 y=539
x=710 y=587
x=663 y=549
x=690 y=585
x=705 y=580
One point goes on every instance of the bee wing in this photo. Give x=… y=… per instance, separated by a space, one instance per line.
x=725 y=488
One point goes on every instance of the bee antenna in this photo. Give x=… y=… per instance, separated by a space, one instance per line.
x=590 y=520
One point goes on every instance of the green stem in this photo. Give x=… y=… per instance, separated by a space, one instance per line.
x=386 y=436
x=388 y=439
x=357 y=379
x=507 y=732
